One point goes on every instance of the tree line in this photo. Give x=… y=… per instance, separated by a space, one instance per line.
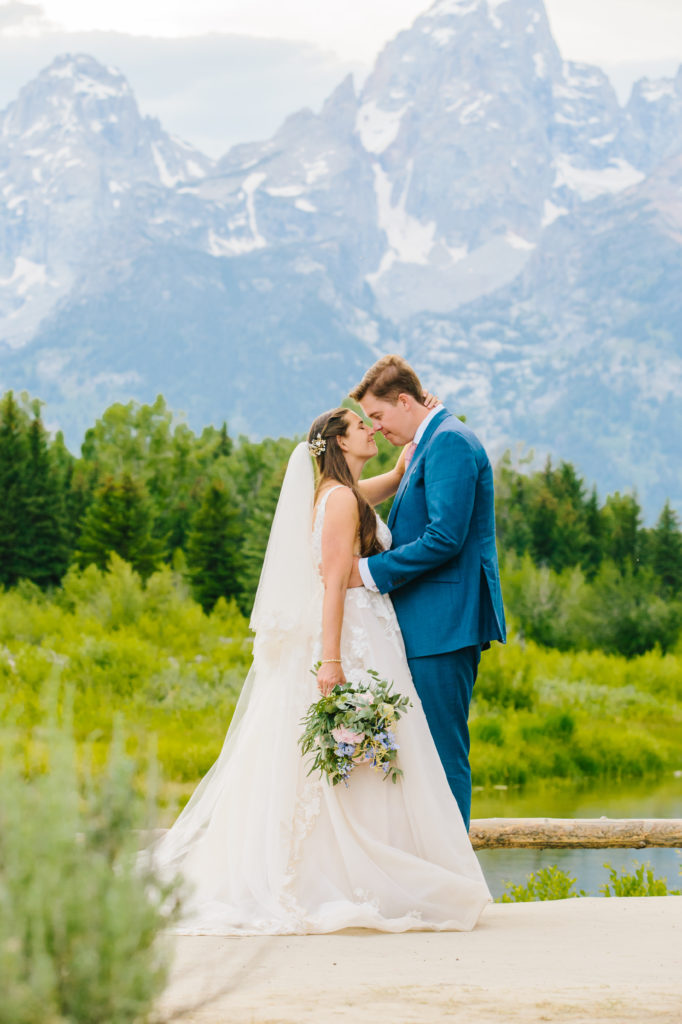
x=152 y=490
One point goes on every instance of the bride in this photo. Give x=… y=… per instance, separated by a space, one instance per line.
x=266 y=848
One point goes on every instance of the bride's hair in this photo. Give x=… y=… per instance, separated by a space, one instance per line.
x=332 y=465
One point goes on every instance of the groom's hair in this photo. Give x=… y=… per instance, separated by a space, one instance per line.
x=389 y=377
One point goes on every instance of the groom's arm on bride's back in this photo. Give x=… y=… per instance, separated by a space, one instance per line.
x=451 y=473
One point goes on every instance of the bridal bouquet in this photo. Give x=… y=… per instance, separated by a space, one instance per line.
x=354 y=725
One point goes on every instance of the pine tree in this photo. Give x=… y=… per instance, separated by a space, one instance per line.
x=120 y=519
x=622 y=518
x=45 y=552
x=75 y=490
x=512 y=491
x=593 y=553
x=223 y=448
x=13 y=470
x=666 y=551
x=213 y=547
x=543 y=515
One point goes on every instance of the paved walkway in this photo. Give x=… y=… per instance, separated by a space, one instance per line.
x=581 y=960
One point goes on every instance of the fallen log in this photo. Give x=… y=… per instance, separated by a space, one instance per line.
x=575 y=833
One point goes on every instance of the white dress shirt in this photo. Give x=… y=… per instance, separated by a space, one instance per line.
x=365 y=574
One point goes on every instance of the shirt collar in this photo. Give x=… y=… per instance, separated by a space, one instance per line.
x=424 y=424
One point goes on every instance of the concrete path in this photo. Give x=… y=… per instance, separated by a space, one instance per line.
x=581 y=960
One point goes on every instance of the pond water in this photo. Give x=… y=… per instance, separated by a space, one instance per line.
x=657 y=799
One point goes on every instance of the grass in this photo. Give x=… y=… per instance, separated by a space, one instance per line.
x=147 y=655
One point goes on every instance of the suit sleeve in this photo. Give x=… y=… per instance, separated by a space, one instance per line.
x=450 y=476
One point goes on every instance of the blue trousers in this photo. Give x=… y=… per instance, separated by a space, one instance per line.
x=445 y=683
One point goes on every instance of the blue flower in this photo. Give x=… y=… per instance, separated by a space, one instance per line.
x=345 y=749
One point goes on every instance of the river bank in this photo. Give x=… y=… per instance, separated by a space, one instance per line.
x=580 y=961
x=660 y=798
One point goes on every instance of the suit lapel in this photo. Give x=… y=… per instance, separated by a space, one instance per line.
x=419 y=454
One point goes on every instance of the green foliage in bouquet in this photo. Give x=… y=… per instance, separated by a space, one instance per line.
x=354 y=725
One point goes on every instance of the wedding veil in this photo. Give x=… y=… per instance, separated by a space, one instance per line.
x=245 y=798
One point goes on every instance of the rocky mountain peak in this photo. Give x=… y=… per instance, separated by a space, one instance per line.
x=654 y=117
x=341 y=106
x=78 y=113
x=75 y=96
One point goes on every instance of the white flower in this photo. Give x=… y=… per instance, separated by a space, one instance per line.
x=364 y=699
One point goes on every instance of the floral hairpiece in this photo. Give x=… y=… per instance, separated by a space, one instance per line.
x=317 y=446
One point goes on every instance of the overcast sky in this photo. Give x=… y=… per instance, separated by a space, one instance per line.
x=222 y=71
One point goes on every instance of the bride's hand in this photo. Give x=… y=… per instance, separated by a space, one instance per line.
x=400 y=464
x=329 y=675
x=430 y=401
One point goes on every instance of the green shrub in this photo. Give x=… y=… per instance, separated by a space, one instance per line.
x=79 y=921
x=489 y=730
x=505 y=679
x=551 y=883
x=640 y=883
x=545 y=884
x=145 y=650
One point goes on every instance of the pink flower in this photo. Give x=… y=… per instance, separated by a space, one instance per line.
x=343 y=735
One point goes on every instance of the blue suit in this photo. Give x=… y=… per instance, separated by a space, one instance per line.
x=444 y=580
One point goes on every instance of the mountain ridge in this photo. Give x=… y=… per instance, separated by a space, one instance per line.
x=480 y=205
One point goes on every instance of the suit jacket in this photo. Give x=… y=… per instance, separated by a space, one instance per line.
x=441 y=570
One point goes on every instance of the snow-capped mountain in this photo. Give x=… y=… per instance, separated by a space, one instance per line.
x=482 y=205
x=74 y=154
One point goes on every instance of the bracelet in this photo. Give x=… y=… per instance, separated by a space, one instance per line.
x=330 y=661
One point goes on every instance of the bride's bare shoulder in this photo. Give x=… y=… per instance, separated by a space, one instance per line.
x=341 y=501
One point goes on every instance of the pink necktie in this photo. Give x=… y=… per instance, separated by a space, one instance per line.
x=410 y=452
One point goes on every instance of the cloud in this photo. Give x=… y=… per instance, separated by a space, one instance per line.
x=212 y=90
x=17 y=14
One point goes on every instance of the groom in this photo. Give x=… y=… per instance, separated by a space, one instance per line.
x=441 y=570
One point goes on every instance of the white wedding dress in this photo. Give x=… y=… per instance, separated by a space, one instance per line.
x=266 y=848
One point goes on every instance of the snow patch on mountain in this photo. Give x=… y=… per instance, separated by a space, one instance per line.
x=249 y=187
x=26 y=275
x=653 y=90
x=590 y=182
x=459 y=8
x=314 y=171
x=285 y=191
x=517 y=242
x=167 y=179
x=552 y=212
x=409 y=241
x=378 y=128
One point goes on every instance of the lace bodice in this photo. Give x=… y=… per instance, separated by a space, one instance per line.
x=365 y=610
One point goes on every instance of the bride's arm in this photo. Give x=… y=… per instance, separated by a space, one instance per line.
x=377 y=488
x=338 y=542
